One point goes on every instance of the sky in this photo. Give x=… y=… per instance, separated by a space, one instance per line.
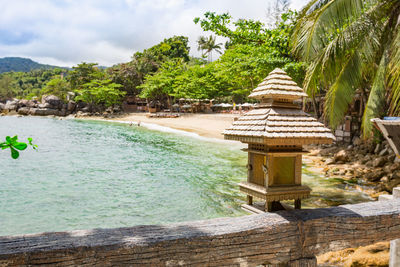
x=68 y=32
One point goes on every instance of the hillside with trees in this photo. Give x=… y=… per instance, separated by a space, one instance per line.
x=18 y=64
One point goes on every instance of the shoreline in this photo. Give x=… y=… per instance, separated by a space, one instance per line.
x=204 y=125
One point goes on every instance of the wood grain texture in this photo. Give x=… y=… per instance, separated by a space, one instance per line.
x=269 y=238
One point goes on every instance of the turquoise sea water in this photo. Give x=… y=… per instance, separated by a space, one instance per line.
x=89 y=174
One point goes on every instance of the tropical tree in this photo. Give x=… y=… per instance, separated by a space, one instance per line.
x=58 y=87
x=147 y=62
x=7 y=87
x=350 y=45
x=250 y=32
x=84 y=73
x=100 y=92
x=207 y=45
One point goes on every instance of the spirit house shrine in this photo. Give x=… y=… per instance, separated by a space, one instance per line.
x=275 y=131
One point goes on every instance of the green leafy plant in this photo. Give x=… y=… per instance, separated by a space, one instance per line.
x=13 y=144
x=350 y=46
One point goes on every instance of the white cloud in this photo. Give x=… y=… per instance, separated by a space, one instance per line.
x=66 y=32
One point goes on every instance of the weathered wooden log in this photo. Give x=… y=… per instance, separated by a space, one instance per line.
x=270 y=238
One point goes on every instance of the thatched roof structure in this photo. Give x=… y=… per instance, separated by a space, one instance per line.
x=277 y=85
x=277 y=120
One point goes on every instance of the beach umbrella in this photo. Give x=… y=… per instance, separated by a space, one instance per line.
x=226 y=105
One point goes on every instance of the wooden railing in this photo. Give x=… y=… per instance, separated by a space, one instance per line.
x=286 y=237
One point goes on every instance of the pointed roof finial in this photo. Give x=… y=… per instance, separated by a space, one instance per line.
x=278 y=85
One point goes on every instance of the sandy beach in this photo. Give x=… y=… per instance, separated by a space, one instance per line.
x=206 y=125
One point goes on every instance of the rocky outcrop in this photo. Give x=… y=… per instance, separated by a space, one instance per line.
x=11 y=105
x=342 y=156
x=362 y=163
x=50 y=105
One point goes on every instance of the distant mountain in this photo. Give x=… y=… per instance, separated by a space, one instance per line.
x=21 y=64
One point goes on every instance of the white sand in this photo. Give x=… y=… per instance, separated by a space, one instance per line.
x=207 y=125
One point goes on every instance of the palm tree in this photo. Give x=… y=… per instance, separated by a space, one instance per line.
x=350 y=45
x=207 y=45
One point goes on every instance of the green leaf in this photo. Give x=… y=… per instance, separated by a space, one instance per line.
x=20 y=146
x=14 y=153
x=4 y=145
x=8 y=139
x=14 y=139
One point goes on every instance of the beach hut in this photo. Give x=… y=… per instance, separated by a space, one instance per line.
x=275 y=131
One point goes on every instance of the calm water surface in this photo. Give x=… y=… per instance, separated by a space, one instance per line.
x=89 y=174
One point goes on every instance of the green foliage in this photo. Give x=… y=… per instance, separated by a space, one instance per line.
x=251 y=32
x=246 y=65
x=162 y=83
x=346 y=43
x=132 y=74
x=128 y=75
x=202 y=82
x=207 y=45
x=100 y=92
x=253 y=52
x=17 y=64
x=234 y=74
x=13 y=144
x=84 y=73
x=170 y=48
x=26 y=84
x=7 y=87
x=58 y=87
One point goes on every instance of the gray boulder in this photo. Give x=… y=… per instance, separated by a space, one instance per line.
x=44 y=112
x=23 y=102
x=23 y=110
x=71 y=106
x=31 y=103
x=45 y=105
x=330 y=161
x=374 y=175
x=11 y=105
x=54 y=101
x=27 y=103
x=379 y=162
x=342 y=156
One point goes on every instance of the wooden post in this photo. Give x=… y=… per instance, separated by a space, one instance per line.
x=394 y=253
x=297 y=204
x=249 y=200
x=395 y=244
x=268 y=206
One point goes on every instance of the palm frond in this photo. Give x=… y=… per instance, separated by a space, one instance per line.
x=341 y=93
x=313 y=77
x=318 y=24
x=394 y=71
x=360 y=35
x=376 y=99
